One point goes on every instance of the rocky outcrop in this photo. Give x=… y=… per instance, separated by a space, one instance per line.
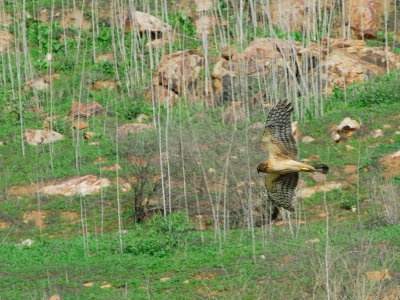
x=36 y=137
x=144 y=22
x=84 y=185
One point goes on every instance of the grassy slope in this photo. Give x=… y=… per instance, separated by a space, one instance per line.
x=273 y=265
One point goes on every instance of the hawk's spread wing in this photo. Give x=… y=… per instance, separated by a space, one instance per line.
x=280 y=188
x=278 y=131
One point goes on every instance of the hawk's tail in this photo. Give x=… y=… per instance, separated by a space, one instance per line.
x=321 y=168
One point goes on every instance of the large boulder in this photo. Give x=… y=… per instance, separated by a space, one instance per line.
x=84 y=185
x=37 y=137
x=79 y=109
x=144 y=22
x=179 y=72
x=266 y=63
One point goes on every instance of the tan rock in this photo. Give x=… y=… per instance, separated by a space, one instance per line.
x=88 y=284
x=145 y=23
x=4 y=225
x=80 y=109
x=113 y=167
x=387 y=126
x=397 y=133
x=307 y=139
x=133 y=128
x=228 y=51
x=1 y=143
x=79 y=125
x=389 y=141
x=164 y=96
x=336 y=137
x=377 y=133
x=37 y=137
x=88 y=135
x=348 y=126
x=378 y=275
x=313 y=241
x=164 y=279
x=349 y=148
x=179 y=72
x=364 y=17
x=105 y=84
x=84 y=185
x=6 y=41
x=55 y=297
x=309 y=191
x=126 y=187
x=106 y=286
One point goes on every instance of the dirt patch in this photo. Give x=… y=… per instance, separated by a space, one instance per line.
x=38 y=218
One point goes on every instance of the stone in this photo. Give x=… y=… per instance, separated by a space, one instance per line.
x=377 y=133
x=336 y=137
x=348 y=126
x=388 y=141
x=311 y=190
x=126 y=187
x=84 y=185
x=48 y=57
x=113 y=167
x=106 y=286
x=36 y=137
x=80 y=109
x=313 y=241
x=6 y=40
x=211 y=170
x=364 y=17
x=88 y=284
x=349 y=148
x=145 y=23
x=55 y=297
x=27 y=242
x=179 y=71
x=88 y=135
x=79 y=125
x=41 y=83
x=163 y=95
x=1 y=143
x=378 y=275
x=105 y=84
x=228 y=51
x=133 y=128
x=397 y=133
x=307 y=139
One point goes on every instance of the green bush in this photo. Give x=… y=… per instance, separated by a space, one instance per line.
x=160 y=236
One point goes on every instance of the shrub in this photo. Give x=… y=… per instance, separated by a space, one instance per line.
x=160 y=236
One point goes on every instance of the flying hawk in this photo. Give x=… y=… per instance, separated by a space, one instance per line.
x=282 y=165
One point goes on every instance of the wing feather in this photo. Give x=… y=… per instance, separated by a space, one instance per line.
x=281 y=189
x=278 y=131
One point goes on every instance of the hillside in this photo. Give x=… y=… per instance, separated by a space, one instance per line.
x=130 y=133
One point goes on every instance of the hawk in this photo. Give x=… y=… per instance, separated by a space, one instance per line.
x=282 y=165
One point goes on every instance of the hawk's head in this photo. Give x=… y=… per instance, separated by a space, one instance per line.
x=263 y=167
